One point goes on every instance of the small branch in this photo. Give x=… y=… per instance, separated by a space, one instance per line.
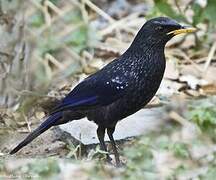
x=54 y=61
x=46 y=14
x=84 y=12
x=178 y=7
x=119 y=24
x=6 y=54
x=27 y=122
x=99 y=11
x=209 y=58
x=185 y=56
x=54 y=8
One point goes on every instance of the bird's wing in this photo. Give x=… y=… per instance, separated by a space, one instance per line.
x=92 y=92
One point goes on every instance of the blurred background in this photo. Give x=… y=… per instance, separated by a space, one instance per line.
x=48 y=46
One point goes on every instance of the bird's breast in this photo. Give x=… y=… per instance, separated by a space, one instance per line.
x=143 y=82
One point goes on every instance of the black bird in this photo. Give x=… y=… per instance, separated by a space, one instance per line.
x=119 y=89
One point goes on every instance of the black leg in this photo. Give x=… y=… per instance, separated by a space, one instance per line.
x=101 y=134
x=110 y=132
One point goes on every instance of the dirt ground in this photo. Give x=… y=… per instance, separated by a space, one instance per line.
x=47 y=144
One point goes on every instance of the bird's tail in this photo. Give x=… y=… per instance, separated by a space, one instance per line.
x=49 y=122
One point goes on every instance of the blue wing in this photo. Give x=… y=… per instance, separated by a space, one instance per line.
x=97 y=90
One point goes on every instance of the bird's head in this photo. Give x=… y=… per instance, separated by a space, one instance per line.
x=160 y=30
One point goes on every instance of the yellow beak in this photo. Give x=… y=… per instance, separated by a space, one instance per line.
x=180 y=31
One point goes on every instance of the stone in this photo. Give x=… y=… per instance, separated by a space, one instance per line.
x=137 y=124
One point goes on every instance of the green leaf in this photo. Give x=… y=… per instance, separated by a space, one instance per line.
x=180 y=150
x=203 y=114
x=198 y=14
x=210 y=12
x=140 y=160
x=78 y=39
x=42 y=168
x=73 y=17
x=165 y=8
x=211 y=174
x=54 y=1
x=36 y=20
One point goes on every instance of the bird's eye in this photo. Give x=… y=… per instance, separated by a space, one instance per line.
x=159 y=28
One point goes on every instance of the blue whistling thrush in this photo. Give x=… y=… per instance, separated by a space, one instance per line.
x=119 y=89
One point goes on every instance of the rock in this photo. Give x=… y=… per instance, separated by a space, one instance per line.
x=137 y=124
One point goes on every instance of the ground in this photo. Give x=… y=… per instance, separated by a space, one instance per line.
x=56 y=44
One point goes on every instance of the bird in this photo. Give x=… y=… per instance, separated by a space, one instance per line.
x=119 y=89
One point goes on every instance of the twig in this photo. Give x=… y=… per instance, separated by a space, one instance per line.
x=36 y=4
x=54 y=61
x=73 y=54
x=27 y=93
x=54 y=8
x=117 y=24
x=27 y=122
x=53 y=20
x=203 y=59
x=178 y=7
x=69 y=29
x=149 y=106
x=184 y=55
x=188 y=5
x=209 y=58
x=46 y=14
x=6 y=54
x=175 y=116
x=99 y=11
x=75 y=3
x=84 y=12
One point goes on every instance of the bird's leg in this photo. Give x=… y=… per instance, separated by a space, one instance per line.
x=110 y=132
x=101 y=134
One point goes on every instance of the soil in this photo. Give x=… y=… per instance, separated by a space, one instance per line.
x=48 y=144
